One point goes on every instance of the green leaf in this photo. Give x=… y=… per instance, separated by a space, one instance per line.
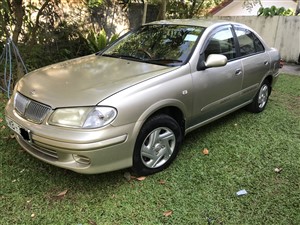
x=260 y=11
x=113 y=38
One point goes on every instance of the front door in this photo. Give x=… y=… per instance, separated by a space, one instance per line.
x=217 y=90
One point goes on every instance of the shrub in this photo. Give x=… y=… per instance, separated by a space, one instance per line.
x=274 y=11
x=98 y=41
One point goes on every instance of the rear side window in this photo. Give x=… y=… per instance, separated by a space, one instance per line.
x=222 y=42
x=248 y=42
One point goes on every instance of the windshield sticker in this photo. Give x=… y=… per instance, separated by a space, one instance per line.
x=190 y=37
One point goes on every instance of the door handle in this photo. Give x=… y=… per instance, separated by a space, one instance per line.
x=238 y=72
x=266 y=63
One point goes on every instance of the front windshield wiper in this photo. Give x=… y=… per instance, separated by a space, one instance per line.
x=122 y=56
x=155 y=61
x=168 y=60
x=164 y=61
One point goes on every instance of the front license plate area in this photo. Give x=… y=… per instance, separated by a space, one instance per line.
x=25 y=134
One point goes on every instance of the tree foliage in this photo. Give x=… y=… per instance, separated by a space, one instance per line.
x=94 y=3
x=11 y=17
x=271 y=11
x=99 y=40
x=274 y=11
x=41 y=32
x=16 y=18
x=177 y=8
x=189 y=8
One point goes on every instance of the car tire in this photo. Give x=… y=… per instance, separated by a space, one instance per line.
x=157 y=145
x=261 y=98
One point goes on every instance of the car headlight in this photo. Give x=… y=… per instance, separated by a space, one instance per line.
x=83 y=117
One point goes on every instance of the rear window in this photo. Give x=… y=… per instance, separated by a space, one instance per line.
x=248 y=42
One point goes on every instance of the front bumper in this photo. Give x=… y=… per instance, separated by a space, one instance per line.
x=83 y=151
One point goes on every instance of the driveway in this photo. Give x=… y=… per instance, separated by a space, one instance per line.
x=292 y=69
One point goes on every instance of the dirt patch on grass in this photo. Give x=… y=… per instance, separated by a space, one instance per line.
x=291 y=103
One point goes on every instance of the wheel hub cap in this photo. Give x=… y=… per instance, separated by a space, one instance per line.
x=158 y=147
x=263 y=96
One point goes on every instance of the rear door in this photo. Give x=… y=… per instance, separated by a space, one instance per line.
x=255 y=61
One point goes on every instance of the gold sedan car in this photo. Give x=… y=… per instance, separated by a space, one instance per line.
x=132 y=104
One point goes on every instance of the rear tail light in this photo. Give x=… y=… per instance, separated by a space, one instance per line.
x=281 y=62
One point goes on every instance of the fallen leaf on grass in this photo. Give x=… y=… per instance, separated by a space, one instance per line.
x=32 y=215
x=141 y=178
x=62 y=194
x=162 y=182
x=205 y=151
x=129 y=177
x=92 y=222
x=3 y=127
x=1 y=120
x=12 y=136
x=168 y=213
x=278 y=170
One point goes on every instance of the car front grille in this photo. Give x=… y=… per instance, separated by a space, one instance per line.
x=30 y=109
x=47 y=152
x=38 y=151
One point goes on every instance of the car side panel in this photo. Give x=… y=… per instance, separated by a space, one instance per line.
x=274 y=64
x=170 y=89
x=256 y=68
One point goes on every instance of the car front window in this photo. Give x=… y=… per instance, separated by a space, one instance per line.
x=169 y=45
x=222 y=42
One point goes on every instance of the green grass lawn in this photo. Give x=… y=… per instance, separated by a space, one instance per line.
x=244 y=150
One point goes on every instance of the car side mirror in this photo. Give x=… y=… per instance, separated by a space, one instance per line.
x=215 y=60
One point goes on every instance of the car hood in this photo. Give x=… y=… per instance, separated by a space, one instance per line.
x=85 y=81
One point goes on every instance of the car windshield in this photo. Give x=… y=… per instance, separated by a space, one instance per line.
x=169 y=45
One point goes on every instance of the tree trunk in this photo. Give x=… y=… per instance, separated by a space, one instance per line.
x=297 y=12
x=162 y=10
x=19 y=14
x=145 y=13
x=19 y=11
x=37 y=21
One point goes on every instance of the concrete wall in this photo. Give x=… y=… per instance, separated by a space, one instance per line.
x=281 y=32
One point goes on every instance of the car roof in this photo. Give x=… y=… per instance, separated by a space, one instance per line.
x=192 y=22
